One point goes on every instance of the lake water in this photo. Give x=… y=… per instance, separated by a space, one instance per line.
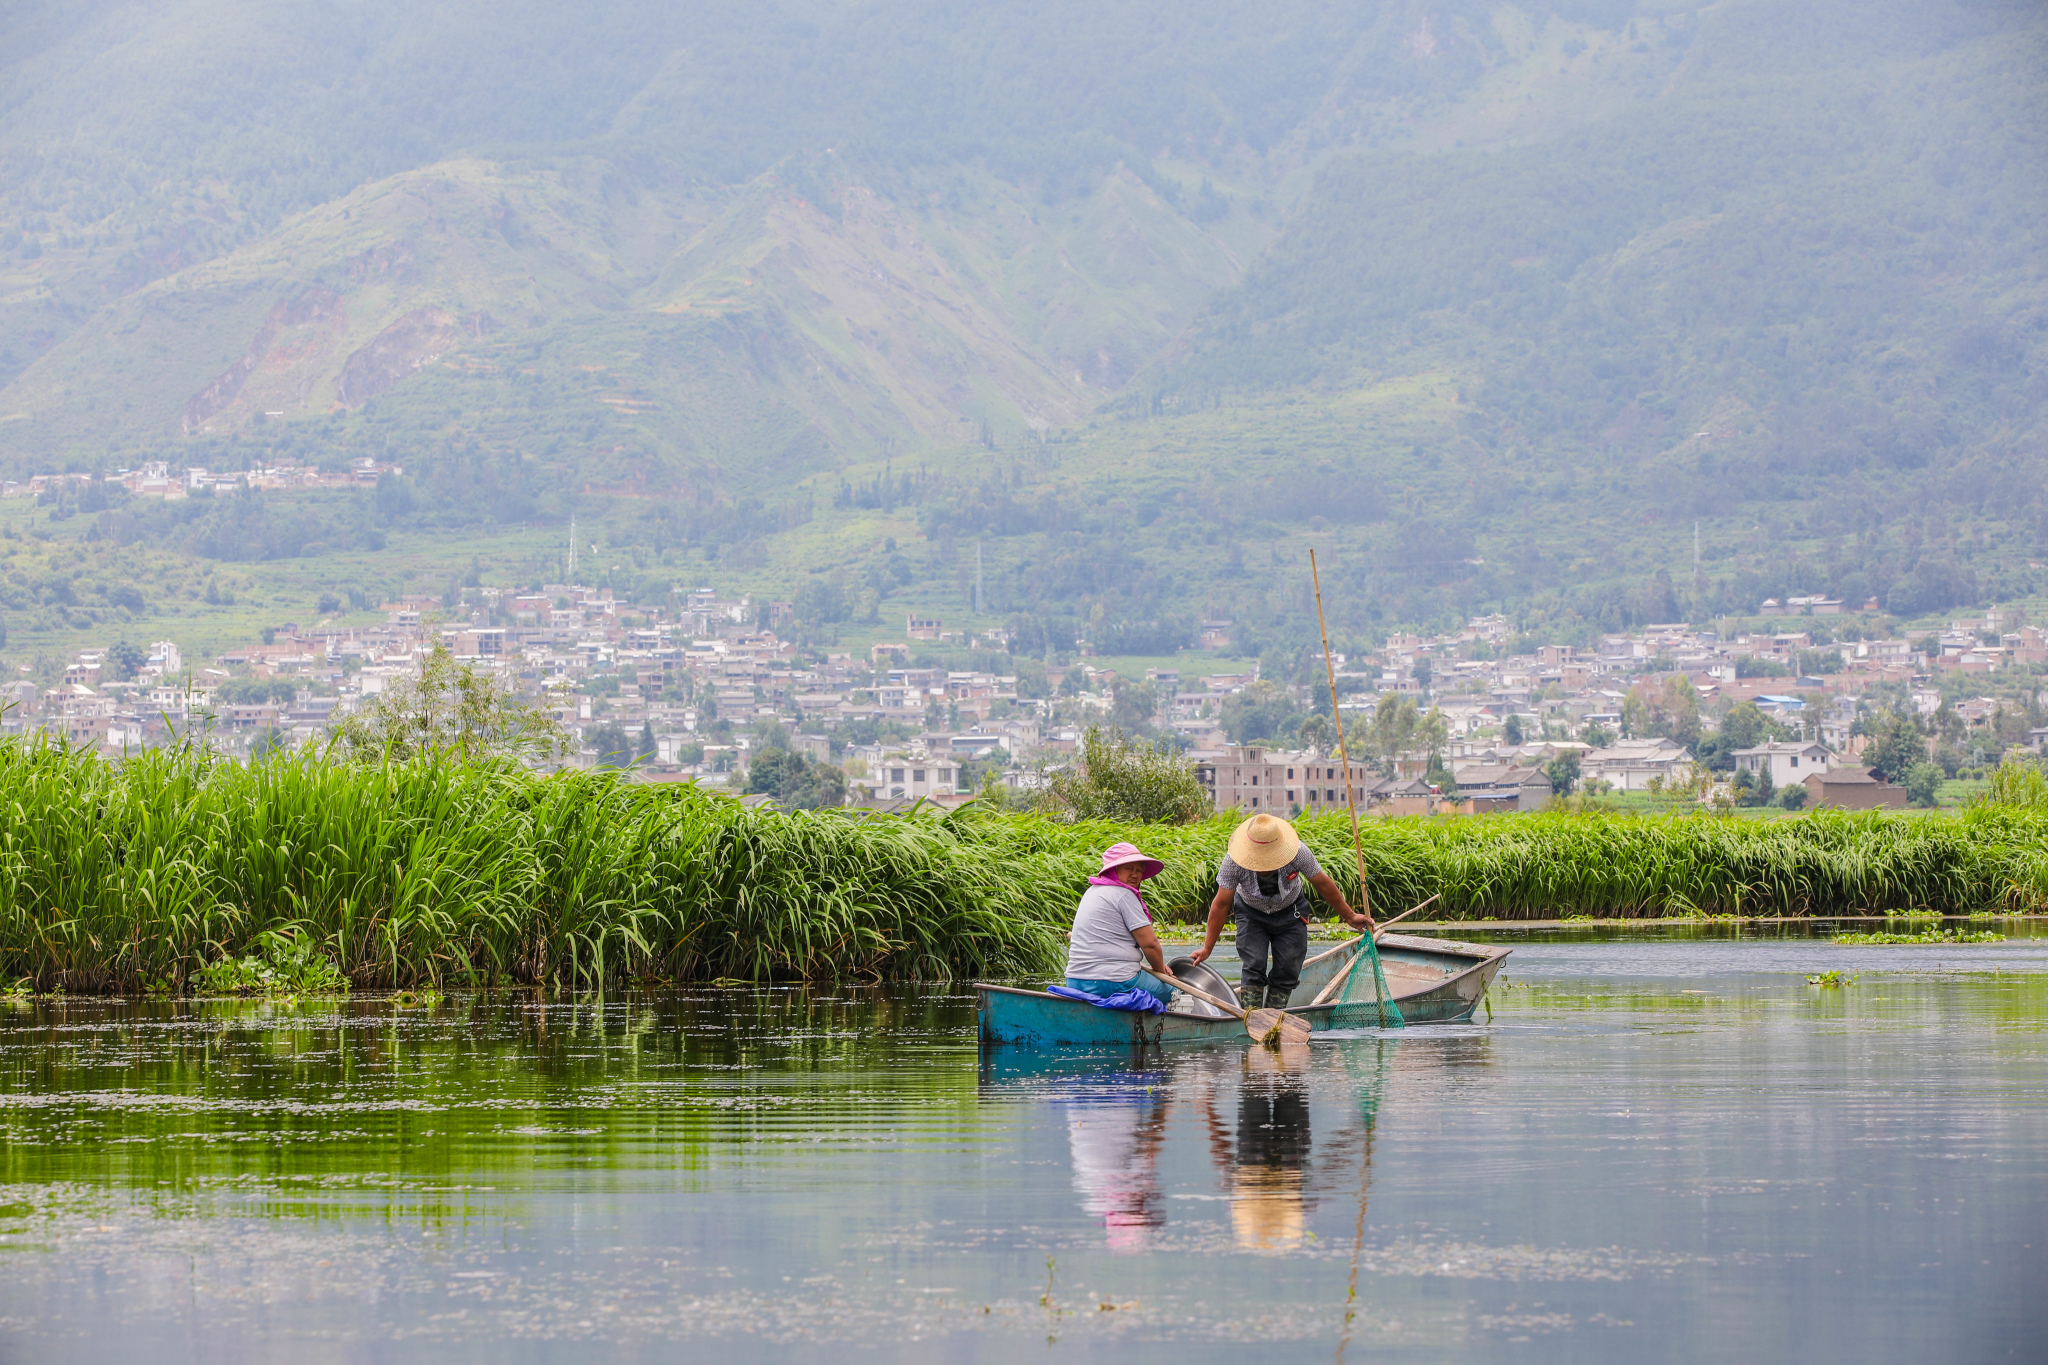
x=1654 y=1151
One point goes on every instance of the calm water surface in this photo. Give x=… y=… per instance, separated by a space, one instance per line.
x=1654 y=1151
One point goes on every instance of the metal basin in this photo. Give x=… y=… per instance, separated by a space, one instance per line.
x=1204 y=978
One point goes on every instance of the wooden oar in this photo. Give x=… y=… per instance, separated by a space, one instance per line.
x=1271 y=1027
x=1324 y=994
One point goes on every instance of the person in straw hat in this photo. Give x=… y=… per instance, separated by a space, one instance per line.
x=1263 y=881
x=1113 y=941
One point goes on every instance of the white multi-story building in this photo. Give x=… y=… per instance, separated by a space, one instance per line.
x=1787 y=762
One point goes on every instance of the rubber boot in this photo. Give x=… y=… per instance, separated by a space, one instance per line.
x=1250 y=998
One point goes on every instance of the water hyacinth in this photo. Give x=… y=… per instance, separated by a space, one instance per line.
x=127 y=876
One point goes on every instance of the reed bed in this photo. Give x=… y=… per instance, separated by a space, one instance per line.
x=133 y=876
x=1547 y=866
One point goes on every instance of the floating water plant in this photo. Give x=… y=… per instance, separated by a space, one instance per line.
x=1924 y=936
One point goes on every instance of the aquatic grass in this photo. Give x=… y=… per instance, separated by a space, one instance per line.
x=114 y=876
x=418 y=875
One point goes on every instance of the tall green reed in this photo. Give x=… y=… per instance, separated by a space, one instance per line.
x=116 y=877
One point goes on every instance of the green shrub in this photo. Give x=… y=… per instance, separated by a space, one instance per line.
x=1119 y=779
x=2018 y=785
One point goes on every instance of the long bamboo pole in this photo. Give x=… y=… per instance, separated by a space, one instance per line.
x=1343 y=749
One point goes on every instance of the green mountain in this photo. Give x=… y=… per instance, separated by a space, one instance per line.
x=1495 y=303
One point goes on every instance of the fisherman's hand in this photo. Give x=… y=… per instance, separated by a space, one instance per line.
x=1201 y=954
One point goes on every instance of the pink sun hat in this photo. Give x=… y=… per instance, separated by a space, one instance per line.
x=1116 y=855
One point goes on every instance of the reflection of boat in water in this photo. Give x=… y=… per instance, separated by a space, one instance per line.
x=1434 y=981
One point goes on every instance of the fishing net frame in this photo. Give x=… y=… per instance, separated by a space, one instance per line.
x=1351 y=1009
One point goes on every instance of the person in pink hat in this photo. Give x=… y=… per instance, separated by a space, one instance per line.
x=1113 y=942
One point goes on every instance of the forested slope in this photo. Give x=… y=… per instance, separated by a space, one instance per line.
x=1803 y=283
x=1502 y=298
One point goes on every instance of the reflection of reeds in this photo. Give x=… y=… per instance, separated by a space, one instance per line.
x=115 y=877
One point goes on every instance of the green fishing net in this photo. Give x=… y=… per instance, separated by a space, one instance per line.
x=1364 y=1000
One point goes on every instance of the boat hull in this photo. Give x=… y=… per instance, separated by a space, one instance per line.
x=1432 y=980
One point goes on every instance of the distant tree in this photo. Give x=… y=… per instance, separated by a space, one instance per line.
x=821 y=602
x=1598 y=736
x=1264 y=710
x=1392 y=731
x=1948 y=724
x=1668 y=712
x=1745 y=726
x=1659 y=601
x=1118 y=779
x=1317 y=732
x=796 y=782
x=817 y=786
x=1896 y=744
x=1134 y=705
x=1923 y=782
x=614 y=748
x=1793 y=797
x=450 y=711
x=647 y=748
x=1563 y=772
x=256 y=691
x=1512 y=731
x=766 y=770
x=1438 y=775
x=328 y=604
x=1433 y=736
x=125 y=660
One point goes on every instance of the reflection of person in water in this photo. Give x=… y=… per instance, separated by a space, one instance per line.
x=1115 y=1150
x=1266 y=1172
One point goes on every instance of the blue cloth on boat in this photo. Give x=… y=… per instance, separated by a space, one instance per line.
x=1134 y=999
x=1140 y=981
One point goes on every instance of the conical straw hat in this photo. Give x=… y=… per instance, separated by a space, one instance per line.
x=1264 y=843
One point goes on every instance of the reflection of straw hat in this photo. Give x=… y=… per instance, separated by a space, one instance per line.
x=1264 y=843
x=1266 y=1211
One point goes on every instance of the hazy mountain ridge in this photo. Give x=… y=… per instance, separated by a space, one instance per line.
x=1756 y=262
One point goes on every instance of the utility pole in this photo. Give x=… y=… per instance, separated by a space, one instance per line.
x=1699 y=584
x=572 y=549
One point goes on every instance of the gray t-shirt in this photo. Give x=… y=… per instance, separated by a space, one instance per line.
x=1289 y=884
x=1101 y=947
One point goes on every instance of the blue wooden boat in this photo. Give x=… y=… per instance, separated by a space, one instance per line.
x=1433 y=980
